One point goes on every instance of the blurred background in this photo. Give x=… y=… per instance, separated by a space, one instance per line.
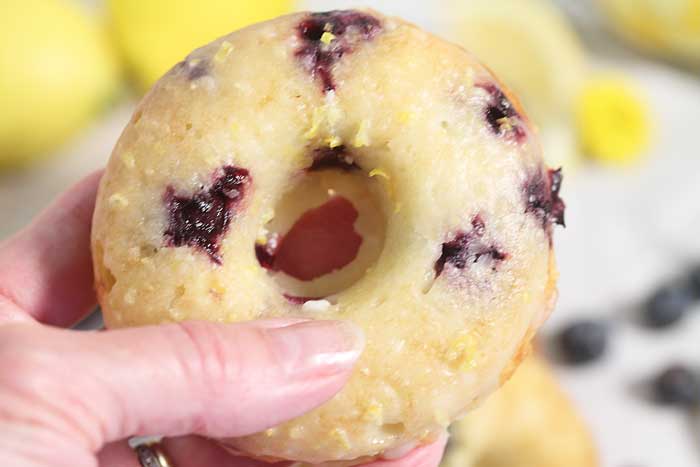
x=613 y=85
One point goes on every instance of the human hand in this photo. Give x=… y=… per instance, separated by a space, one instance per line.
x=72 y=398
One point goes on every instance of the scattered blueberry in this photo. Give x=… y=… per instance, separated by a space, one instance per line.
x=677 y=385
x=667 y=306
x=583 y=341
x=467 y=248
x=694 y=281
x=346 y=29
x=200 y=220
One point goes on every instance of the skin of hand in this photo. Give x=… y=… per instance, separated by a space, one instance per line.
x=72 y=398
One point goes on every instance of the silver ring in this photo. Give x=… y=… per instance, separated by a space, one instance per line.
x=151 y=455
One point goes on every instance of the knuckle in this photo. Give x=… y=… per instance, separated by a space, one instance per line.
x=21 y=362
x=206 y=355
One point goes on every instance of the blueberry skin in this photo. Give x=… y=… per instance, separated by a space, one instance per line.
x=583 y=341
x=677 y=385
x=667 y=306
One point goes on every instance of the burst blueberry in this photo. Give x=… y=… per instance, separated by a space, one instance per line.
x=345 y=30
x=542 y=199
x=501 y=114
x=200 y=220
x=467 y=248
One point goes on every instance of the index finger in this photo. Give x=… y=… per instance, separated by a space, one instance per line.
x=46 y=268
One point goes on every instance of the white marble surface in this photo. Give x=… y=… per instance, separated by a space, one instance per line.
x=627 y=232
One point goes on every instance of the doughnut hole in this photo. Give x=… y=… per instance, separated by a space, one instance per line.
x=326 y=232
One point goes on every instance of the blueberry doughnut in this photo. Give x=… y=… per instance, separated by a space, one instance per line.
x=529 y=422
x=339 y=165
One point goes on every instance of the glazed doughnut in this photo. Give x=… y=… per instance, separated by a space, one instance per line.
x=339 y=165
x=529 y=422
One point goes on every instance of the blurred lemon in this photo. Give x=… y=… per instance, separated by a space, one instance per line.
x=153 y=35
x=56 y=69
x=530 y=45
x=670 y=28
x=613 y=120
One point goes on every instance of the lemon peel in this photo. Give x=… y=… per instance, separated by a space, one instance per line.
x=612 y=120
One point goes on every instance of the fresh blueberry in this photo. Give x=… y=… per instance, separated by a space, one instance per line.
x=583 y=341
x=667 y=306
x=677 y=385
x=694 y=281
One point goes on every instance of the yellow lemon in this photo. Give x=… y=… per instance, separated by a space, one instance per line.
x=153 y=35
x=670 y=28
x=613 y=120
x=56 y=70
x=529 y=44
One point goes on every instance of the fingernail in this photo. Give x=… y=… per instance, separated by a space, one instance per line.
x=274 y=323
x=317 y=348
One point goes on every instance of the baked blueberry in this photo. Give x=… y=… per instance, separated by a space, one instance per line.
x=327 y=36
x=201 y=219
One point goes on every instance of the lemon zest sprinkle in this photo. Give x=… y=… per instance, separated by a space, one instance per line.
x=118 y=200
x=378 y=172
x=268 y=215
x=505 y=124
x=362 y=135
x=316 y=120
x=341 y=436
x=327 y=37
x=334 y=141
x=224 y=51
x=374 y=412
x=406 y=116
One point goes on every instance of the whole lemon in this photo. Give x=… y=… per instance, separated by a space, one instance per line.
x=153 y=35
x=668 y=28
x=56 y=70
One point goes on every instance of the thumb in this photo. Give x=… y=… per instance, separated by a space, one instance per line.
x=216 y=380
